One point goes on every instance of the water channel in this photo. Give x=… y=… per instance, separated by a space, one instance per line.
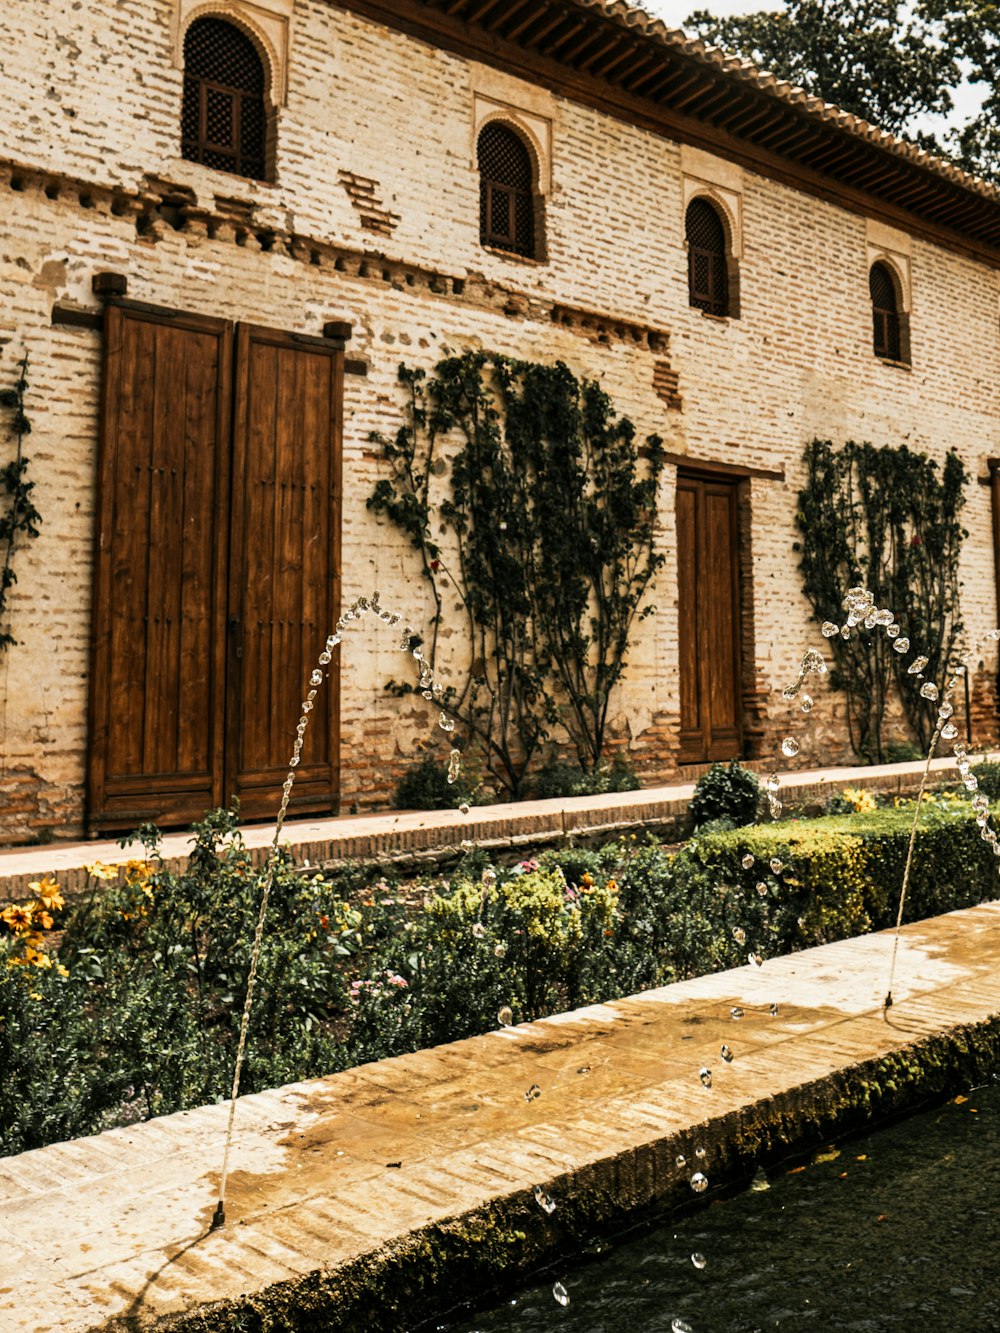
x=898 y=1230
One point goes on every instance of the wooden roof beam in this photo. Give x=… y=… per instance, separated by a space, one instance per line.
x=532 y=15
x=642 y=61
x=733 y=122
x=534 y=38
x=601 y=51
x=626 y=47
x=589 y=37
x=552 y=51
x=657 y=77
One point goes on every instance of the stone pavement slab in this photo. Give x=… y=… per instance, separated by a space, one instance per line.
x=113 y=1231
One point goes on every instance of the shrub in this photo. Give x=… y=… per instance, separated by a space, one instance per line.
x=726 y=791
x=988 y=776
x=903 y=752
x=425 y=786
x=557 y=779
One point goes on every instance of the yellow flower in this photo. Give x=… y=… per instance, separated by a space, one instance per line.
x=100 y=871
x=48 y=893
x=62 y=970
x=18 y=916
x=42 y=917
x=37 y=959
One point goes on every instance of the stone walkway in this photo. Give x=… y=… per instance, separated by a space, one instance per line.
x=410 y=835
x=112 y=1231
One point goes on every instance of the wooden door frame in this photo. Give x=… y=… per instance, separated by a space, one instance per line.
x=734 y=484
x=99 y=704
x=249 y=333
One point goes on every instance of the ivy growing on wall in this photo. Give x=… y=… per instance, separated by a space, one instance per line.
x=19 y=518
x=538 y=526
x=888 y=518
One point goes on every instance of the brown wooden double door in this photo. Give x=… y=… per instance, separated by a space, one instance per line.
x=216 y=576
x=708 y=580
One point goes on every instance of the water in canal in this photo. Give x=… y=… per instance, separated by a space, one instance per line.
x=899 y=1230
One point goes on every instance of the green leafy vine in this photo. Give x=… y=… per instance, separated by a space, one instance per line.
x=890 y=519
x=544 y=531
x=21 y=517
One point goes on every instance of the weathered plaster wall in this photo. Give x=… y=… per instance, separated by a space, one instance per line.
x=91 y=93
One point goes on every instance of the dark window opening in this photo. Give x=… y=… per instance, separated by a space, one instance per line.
x=708 y=277
x=506 y=197
x=886 y=340
x=224 y=115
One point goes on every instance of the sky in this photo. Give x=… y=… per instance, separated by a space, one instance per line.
x=967 y=98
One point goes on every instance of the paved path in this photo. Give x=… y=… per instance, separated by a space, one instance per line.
x=115 y=1227
x=408 y=834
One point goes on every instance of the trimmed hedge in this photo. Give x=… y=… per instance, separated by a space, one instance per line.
x=845 y=871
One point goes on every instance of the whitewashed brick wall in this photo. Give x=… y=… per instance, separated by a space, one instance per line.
x=90 y=93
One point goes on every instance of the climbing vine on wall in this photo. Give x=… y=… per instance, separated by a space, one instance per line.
x=533 y=508
x=891 y=519
x=19 y=517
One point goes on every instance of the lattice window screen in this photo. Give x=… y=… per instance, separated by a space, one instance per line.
x=223 y=117
x=708 y=287
x=506 y=202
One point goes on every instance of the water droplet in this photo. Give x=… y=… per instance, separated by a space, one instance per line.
x=584 y=1069
x=961 y=750
x=916 y=666
x=871 y=620
x=901 y=646
x=790 y=747
x=892 y=631
x=858 y=601
x=760 y=1181
x=772 y=783
x=316 y=678
x=790 y=691
x=325 y=658
x=544 y=1201
x=970 y=782
x=755 y=960
x=500 y=950
x=946 y=709
x=454 y=765
x=332 y=642
x=427 y=694
x=736 y=1012
x=463 y=809
x=533 y=1093
x=294 y=761
x=772 y=1009
x=698 y=1260
x=929 y=691
x=679 y=1325
x=813 y=661
x=706 y=1077
x=777 y=865
x=699 y=1183
x=446 y=723
x=505 y=1016
x=883 y=618
x=774 y=807
x=478 y=929
x=747 y=861
x=558 y=1290
x=949 y=731
x=488 y=878
x=829 y=629
x=681 y=1160
x=727 y=1053
x=845 y=631
x=806 y=703
x=700 y=1154
x=761 y=888
x=739 y=935
x=307 y=705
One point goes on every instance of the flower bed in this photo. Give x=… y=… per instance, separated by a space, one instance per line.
x=127 y=1005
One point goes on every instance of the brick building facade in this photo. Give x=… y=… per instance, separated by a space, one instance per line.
x=370 y=223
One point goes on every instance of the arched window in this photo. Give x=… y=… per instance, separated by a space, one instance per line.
x=885 y=313
x=506 y=197
x=224 y=116
x=708 y=282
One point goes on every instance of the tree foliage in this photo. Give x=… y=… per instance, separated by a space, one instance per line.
x=543 y=533
x=972 y=30
x=874 y=58
x=21 y=518
x=890 y=520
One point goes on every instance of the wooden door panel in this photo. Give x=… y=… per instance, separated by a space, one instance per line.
x=283 y=567
x=709 y=631
x=157 y=671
